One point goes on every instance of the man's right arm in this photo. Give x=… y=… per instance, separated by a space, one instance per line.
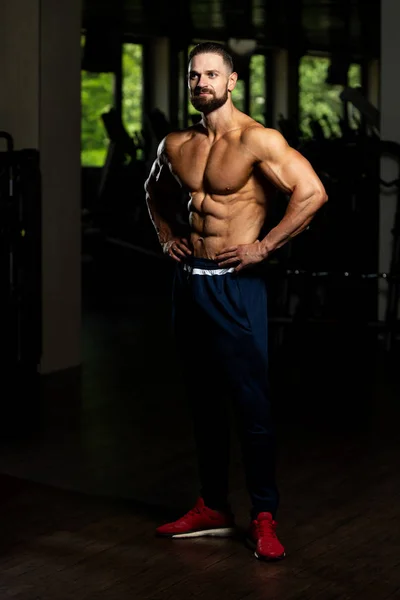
x=162 y=198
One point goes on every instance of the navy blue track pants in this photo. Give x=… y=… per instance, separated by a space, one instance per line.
x=220 y=326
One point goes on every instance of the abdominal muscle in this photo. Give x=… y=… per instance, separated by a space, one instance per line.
x=218 y=222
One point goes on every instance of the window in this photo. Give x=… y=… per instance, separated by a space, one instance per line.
x=319 y=101
x=238 y=95
x=132 y=87
x=97 y=97
x=355 y=80
x=257 y=88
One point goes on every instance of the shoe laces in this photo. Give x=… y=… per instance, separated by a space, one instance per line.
x=266 y=528
x=193 y=511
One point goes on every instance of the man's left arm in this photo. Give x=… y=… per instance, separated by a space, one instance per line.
x=293 y=174
x=290 y=172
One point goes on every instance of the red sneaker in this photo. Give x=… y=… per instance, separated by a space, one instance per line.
x=262 y=538
x=200 y=521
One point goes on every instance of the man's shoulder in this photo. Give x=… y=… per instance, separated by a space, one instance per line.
x=261 y=140
x=256 y=131
x=174 y=140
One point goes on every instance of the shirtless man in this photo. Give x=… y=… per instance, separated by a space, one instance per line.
x=229 y=165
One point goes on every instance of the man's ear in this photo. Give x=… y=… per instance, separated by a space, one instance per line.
x=233 y=77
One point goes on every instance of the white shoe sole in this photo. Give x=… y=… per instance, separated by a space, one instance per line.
x=252 y=545
x=220 y=532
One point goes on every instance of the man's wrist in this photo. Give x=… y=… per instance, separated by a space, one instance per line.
x=267 y=248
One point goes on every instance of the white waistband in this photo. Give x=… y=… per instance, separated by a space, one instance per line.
x=216 y=271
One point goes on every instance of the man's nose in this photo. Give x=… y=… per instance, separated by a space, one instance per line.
x=202 y=82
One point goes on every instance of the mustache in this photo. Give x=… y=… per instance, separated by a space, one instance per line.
x=199 y=91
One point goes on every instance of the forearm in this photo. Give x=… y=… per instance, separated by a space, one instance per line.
x=165 y=223
x=299 y=214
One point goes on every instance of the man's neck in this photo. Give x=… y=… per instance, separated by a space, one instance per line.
x=220 y=121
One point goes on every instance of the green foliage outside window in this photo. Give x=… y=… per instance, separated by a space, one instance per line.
x=97 y=97
x=319 y=100
x=132 y=87
x=355 y=79
x=257 y=88
x=238 y=94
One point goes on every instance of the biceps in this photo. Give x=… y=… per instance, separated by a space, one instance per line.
x=292 y=171
x=161 y=183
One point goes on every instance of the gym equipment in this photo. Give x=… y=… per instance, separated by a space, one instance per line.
x=332 y=275
x=392 y=306
x=122 y=151
x=118 y=211
x=20 y=281
x=368 y=110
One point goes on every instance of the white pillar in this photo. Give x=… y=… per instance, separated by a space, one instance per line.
x=40 y=107
x=390 y=130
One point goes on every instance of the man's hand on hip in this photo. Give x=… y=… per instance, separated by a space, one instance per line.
x=242 y=256
x=177 y=248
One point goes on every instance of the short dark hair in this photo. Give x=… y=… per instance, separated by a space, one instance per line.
x=213 y=48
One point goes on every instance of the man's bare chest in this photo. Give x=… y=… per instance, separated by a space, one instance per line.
x=220 y=169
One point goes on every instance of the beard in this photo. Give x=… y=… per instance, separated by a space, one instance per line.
x=207 y=105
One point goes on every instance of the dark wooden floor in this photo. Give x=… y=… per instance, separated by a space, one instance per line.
x=84 y=488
